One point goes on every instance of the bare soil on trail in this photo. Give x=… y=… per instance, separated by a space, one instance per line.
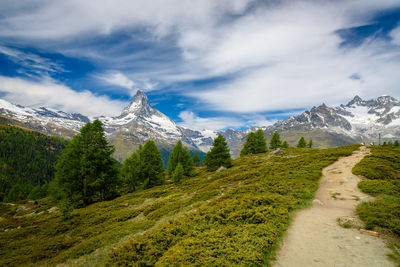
x=316 y=239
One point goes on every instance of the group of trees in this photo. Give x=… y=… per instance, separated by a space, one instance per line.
x=256 y=143
x=303 y=143
x=86 y=172
x=396 y=143
x=143 y=167
x=27 y=160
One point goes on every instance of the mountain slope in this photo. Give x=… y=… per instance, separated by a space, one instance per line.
x=136 y=124
x=27 y=159
x=240 y=212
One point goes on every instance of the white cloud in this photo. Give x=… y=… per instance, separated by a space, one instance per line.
x=395 y=34
x=48 y=93
x=192 y=121
x=58 y=19
x=290 y=56
x=280 y=55
x=119 y=79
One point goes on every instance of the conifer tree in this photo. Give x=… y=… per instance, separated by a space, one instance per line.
x=151 y=164
x=275 y=141
x=177 y=174
x=196 y=159
x=396 y=143
x=219 y=155
x=131 y=171
x=310 y=143
x=180 y=155
x=302 y=142
x=285 y=144
x=255 y=143
x=85 y=171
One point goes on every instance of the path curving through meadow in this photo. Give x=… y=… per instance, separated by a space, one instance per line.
x=315 y=238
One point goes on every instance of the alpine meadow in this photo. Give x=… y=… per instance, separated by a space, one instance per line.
x=200 y=133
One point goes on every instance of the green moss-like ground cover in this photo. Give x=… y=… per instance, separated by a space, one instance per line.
x=382 y=170
x=233 y=217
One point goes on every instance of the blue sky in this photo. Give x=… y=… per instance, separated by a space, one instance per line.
x=204 y=63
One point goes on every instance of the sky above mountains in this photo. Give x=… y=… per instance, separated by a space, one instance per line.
x=204 y=63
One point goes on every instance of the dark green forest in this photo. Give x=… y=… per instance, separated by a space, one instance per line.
x=27 y=160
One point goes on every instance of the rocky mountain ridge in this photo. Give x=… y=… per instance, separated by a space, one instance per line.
x=357 y=121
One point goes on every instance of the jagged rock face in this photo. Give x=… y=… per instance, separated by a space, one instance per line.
x=141 y=122
x=359 y=119
x=47 y=120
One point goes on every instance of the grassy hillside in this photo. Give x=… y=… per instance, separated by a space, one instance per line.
x=232 y=217
x=27 y=159
x=382 y=168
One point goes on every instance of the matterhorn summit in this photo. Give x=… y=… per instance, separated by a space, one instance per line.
x=139 y=106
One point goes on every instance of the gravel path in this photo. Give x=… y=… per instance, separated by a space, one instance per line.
x=315 y=238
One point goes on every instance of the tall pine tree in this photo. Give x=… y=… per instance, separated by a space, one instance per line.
x=85 y=171
x=180 y=155
x=275 y=141
x=219 y=155
x=302 y=142
x=255 y=143
x=151 y=163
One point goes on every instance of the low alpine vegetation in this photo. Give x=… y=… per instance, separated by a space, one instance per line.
x=226 y=218
x=382 y=170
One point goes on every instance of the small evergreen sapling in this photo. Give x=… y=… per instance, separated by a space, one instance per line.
x=177 y=174
x=302 y=142
x=310 y=143
x=285 y=144
x=275 y=141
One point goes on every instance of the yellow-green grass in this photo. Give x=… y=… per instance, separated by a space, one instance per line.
x=232 y=217
x=382 y=170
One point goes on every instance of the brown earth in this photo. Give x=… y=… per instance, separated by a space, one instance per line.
x=316 y=239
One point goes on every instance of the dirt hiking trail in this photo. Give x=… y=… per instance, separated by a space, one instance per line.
x=316 y=239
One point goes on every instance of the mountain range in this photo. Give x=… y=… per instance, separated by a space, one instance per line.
x=357 y=121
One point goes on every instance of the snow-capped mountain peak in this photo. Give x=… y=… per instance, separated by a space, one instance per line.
x=139 y=106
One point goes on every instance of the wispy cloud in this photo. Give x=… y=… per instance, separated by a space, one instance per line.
x=49 y=93
x=32 y=62
x=117 y=78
